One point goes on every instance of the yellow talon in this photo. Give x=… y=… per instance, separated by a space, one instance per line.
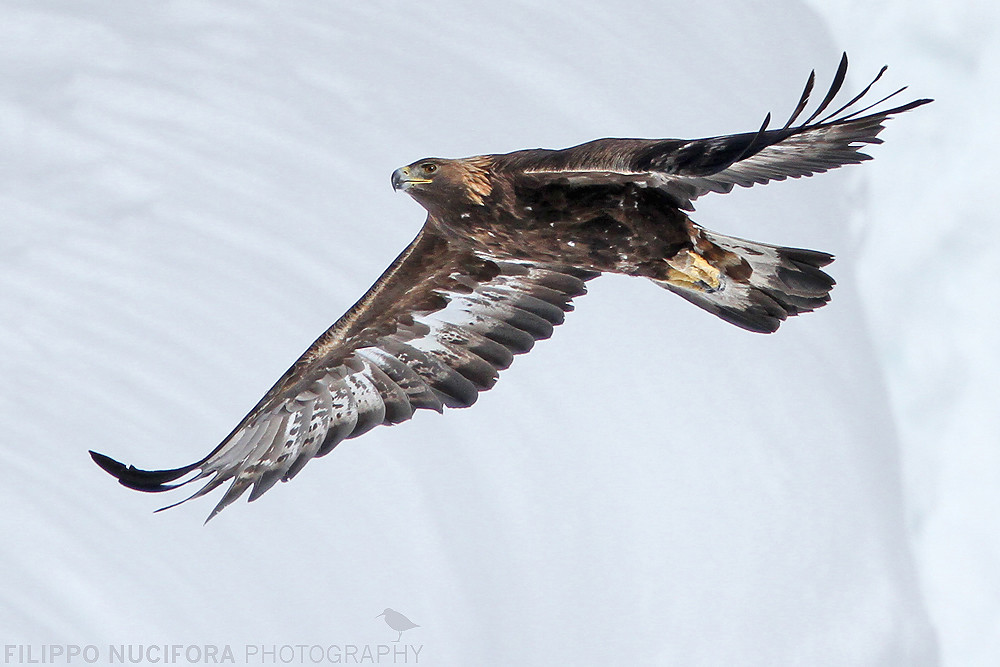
x=688 y=269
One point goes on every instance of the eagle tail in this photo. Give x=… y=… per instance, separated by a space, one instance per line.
x=753 y=285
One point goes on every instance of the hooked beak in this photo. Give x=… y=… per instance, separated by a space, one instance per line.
x=401 y=180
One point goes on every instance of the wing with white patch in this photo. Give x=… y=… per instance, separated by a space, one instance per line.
x=432 y=332
x=688 y=169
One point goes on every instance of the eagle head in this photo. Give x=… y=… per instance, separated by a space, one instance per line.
x=440 y=183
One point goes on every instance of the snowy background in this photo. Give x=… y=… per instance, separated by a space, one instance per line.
x=191 y=191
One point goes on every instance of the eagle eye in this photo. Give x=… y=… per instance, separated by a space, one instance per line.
x=429 y=167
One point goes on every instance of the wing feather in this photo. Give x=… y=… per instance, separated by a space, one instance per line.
x=416 y=391
x=343 y=418
x=434 y=331
x=688 y=169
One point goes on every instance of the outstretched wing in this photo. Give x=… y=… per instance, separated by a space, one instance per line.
x=432 y=332
x=688 y=169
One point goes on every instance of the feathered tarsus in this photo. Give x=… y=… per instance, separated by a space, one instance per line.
x=508 y=242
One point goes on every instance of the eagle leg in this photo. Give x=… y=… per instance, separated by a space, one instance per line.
x=691 y=270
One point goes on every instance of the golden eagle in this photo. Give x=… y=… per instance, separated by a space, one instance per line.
x=508 y=242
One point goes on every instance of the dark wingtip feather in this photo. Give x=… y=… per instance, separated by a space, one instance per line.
x=912 y=105
x=838 y=82
x=108 y=464
x=803 y=100
x=856 y=97
x=755 y=143
x=140 y=480
x=835 y=117
x=767 y=121
x=883 y=114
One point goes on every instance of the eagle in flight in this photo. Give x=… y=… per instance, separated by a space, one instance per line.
x=508 y=242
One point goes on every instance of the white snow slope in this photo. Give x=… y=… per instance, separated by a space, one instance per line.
x=929 y=265
x=192 y=191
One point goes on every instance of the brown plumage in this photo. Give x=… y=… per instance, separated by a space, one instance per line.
x=508 y=242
